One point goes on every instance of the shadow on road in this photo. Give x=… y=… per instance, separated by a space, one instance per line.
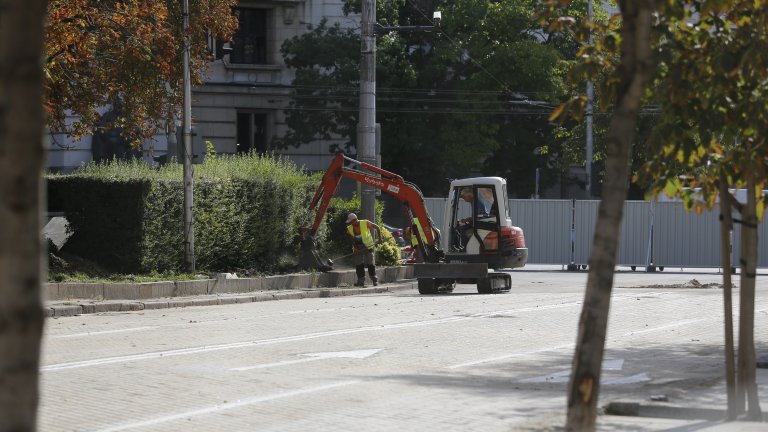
x=689 y=376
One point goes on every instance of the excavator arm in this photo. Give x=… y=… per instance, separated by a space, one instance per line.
x=388 y=182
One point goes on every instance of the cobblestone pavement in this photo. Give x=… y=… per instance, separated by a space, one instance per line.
x=392 y=361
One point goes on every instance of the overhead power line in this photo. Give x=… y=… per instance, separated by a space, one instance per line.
x=464 y=50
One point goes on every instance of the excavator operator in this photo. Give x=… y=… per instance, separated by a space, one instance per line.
x=363 y=246
x=484 y=207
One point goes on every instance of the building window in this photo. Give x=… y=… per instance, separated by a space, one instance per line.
x=251 y=132
x=250 y=41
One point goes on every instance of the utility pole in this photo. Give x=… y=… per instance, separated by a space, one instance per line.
x=590 y=98
x=366 y=129
x=189 y=223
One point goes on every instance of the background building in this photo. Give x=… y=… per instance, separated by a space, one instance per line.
x=240 y=106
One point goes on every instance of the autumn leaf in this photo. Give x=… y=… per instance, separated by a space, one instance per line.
x=98 y=52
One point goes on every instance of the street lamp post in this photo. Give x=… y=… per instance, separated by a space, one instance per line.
x=189 y=226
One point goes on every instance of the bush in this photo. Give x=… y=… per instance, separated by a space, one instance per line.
x=128 y=217
x=388 y=252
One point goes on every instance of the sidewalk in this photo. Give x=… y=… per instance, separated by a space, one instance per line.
x=70 y=299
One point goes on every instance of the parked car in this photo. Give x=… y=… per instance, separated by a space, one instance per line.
x=397 y=233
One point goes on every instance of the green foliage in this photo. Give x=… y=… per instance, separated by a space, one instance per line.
x=128 y=217
x=452 y=103
x=597 y=61
x=90 y=276
x=100 y=52
x=210 y=151
x=388 y=252
x=712 y=81
x=104 y=215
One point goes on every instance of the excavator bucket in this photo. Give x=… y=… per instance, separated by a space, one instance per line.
x=309 y=258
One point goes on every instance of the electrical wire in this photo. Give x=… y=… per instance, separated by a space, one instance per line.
x=465 y=51
x=418 y=90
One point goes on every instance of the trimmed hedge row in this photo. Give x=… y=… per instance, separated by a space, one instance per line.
x=128 y=217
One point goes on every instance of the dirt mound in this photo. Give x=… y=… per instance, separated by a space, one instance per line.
x=693 y=283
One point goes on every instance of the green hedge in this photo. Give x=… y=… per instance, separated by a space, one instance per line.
x=105 y=217
x=128 y=217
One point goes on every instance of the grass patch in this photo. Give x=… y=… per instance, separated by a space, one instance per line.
x=64 y=267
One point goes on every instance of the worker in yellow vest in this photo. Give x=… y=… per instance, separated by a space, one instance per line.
x=363 y=243
x=410 y=234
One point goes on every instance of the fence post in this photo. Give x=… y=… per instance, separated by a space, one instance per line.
x=649 y=254
x=572 y=266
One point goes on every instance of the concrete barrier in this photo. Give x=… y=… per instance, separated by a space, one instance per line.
x=80 y=290
x=191 y=287
x=57 y=291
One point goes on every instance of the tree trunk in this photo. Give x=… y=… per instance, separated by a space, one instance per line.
x=633 y=70
x=726 y=225
x=747 y=361
x=21 y=163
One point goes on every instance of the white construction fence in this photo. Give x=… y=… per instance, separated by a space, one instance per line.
x=659 y=234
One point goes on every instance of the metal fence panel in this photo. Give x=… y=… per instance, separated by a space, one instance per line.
x=762 y=243
x=547 y=228
x=435 y=207
x=584 y=219
x=685 y=239
x=635 y=234
x=633 y=238
x=680 y=238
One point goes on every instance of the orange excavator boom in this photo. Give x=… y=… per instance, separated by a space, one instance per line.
x=386 y=181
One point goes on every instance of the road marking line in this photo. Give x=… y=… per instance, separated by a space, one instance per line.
x=361 y=354
x=614 y=364
x=95 y=333
x=670 y=325
x=236 y=345
x=557 y=377
x=305 y=311
x=275 y=364
x=565 y=374
x=509 y=356
x=229 y=406
x=633 y=379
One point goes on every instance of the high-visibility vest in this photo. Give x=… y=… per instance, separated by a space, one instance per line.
x=414 y=238
x=365 y=234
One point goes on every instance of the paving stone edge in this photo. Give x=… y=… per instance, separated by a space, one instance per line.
x=84 y=306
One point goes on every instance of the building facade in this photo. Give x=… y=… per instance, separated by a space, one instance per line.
x=240 y=106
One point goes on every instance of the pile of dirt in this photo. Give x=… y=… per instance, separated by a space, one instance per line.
x=693 y=283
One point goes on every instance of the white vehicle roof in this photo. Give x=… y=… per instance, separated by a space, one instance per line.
x=478 y=180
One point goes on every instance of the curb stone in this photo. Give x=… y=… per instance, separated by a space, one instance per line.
x=81 y=307
x=101 y=291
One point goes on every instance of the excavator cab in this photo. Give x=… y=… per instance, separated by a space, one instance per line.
x=475 y=215
x=481 y=231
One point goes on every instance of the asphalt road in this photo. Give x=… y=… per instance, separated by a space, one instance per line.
x=396 y=361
